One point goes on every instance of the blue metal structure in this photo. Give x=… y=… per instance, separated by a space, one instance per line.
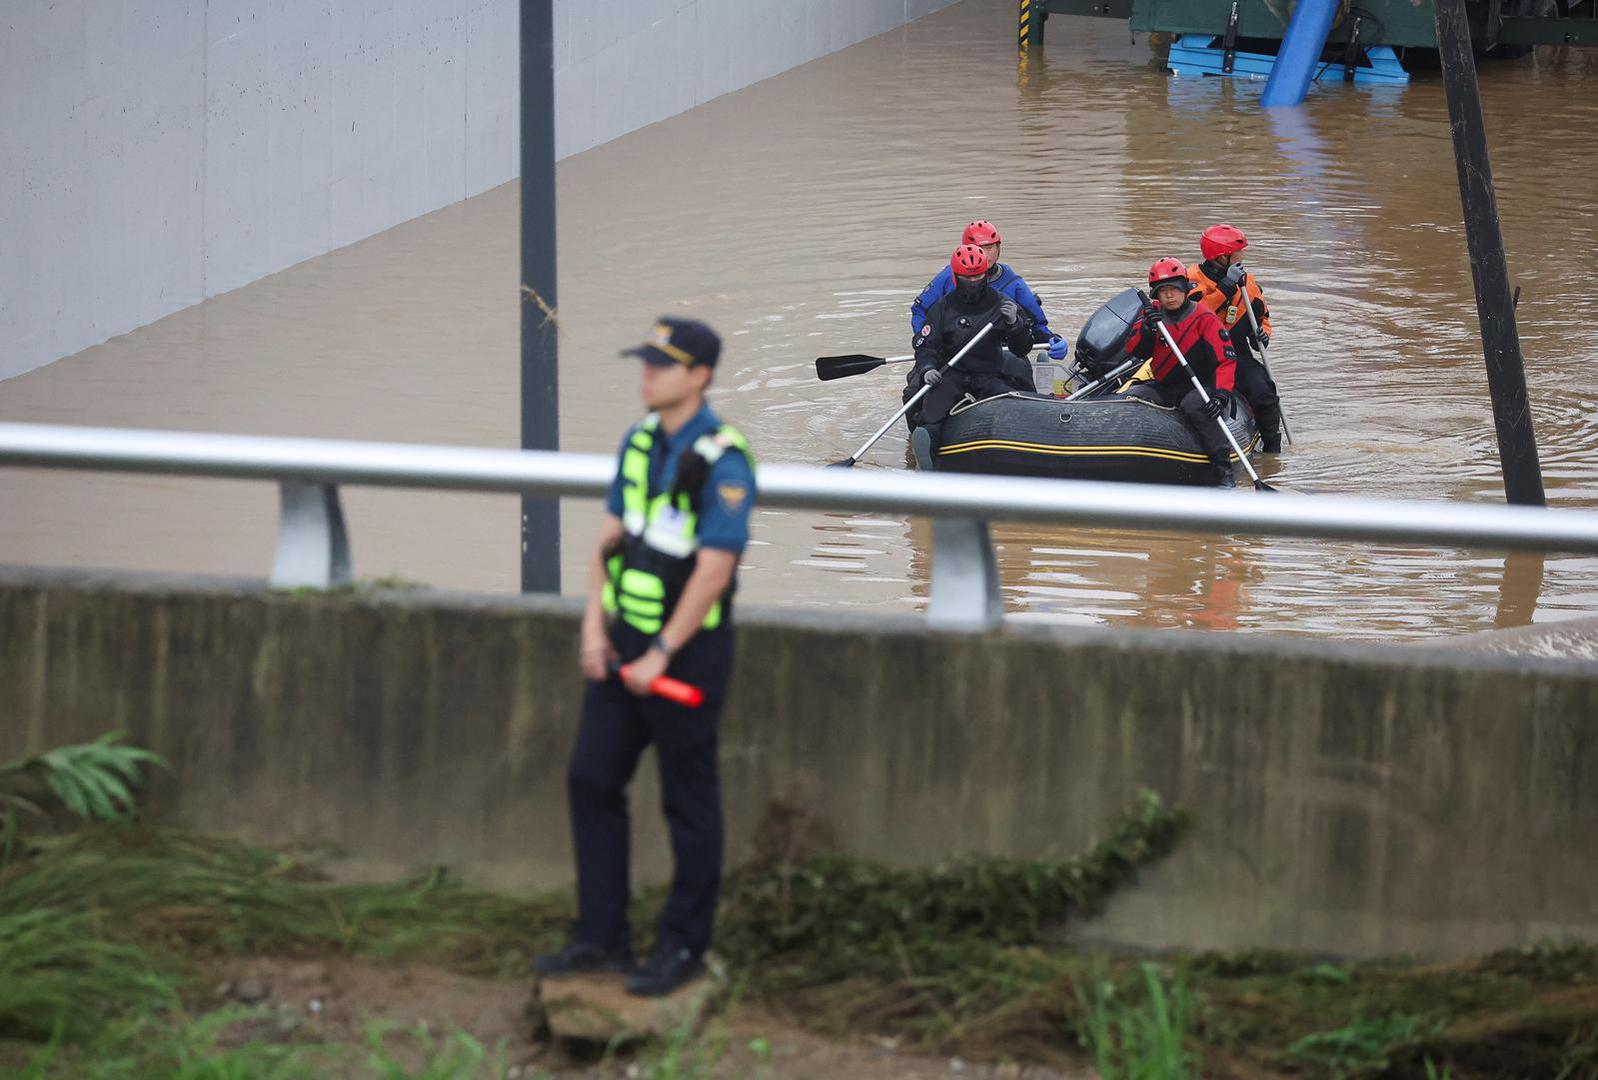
x=1300 y=53
x=1202 y=54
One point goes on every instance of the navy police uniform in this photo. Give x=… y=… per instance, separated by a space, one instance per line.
x=675 y=494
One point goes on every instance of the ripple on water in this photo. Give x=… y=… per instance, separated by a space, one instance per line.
x=817 y=204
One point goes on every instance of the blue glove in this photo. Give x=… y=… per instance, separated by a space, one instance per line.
x=1058 y=349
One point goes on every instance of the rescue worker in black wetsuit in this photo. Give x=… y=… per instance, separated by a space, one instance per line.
x=985 y=236
x=659 y=603
x=951 y=322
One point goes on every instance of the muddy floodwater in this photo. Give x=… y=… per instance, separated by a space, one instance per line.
x=801 y=215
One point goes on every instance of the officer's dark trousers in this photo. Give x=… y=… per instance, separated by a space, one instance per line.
x=1257 y=387
x=1191 y=406
x=615 y=728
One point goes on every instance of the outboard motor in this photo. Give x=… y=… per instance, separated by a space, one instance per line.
x=1102 y=343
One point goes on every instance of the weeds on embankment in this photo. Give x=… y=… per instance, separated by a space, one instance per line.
x=106 y=935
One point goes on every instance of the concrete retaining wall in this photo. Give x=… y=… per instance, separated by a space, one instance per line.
x=157 y=152
x=1350 y=799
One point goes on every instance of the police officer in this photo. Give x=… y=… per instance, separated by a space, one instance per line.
x=951 y=322
x=659 y=603
x=1009 y=283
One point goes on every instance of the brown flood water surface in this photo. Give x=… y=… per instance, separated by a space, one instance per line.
x=801 y=215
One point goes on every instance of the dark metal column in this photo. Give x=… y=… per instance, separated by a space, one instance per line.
x=1506 y=376
x=540 y=327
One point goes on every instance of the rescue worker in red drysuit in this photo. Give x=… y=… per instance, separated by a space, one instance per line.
x=1208 y=347
x=951 y=322
x=1218 y=281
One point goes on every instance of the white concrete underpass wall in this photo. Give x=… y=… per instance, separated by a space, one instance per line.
x=157 y=152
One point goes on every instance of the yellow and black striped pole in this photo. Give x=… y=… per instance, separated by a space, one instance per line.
x=1024 y=29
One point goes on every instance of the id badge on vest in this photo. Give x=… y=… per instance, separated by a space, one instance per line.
x=673 y=521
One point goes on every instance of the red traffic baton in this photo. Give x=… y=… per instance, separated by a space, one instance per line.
x=671 y=689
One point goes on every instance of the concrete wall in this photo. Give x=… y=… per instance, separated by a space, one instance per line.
x=1349 y=799
x=157 y=152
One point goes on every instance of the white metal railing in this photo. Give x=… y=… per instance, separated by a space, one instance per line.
x=313 y=548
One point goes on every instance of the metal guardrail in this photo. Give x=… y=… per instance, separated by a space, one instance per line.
x=313 y=546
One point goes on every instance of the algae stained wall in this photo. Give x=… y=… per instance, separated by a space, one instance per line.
x=157 y=152
x=1349 y=799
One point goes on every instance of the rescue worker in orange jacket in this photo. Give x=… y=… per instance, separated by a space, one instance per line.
x=1224 y=288
x=1208 y=347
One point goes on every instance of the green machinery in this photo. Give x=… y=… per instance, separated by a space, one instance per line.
x=1507 y=26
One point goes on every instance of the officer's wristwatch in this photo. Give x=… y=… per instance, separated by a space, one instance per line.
x=658 y=643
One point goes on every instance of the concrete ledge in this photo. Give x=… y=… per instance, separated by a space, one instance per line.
x=1568 y=639
x=1351 y=798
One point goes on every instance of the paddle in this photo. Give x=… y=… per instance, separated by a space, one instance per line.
x=1102 y=379
x=1254 y=325
x=841 y=367
x=1165 y=331
x=849 y=461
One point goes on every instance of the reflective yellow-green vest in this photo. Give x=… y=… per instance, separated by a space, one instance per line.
x=648 y=569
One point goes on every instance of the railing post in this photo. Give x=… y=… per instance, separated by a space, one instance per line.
x=965 y=576
x=313 y=549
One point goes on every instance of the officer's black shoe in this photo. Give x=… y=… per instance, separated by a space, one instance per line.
x=1270 y=444
x=666 y=971
x=1223 y=475
x=921 y=445
x=583 y=958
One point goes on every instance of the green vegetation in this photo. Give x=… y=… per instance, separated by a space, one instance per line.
x=109 y=932
x=222 y=1045
x=1147 y=1040
x=91 y=782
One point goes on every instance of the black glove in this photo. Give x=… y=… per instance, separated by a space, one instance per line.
x=933 y=377
x=1263 y=338
x=1218 y=403
x=1009 y=313
x=1231 y=281
x=1151 y=315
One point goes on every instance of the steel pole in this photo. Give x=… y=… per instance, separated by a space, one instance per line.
x=540 y=325
x=1489 y=271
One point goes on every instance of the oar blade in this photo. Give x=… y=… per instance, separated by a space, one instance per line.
x=841 y=367
x=846 y=463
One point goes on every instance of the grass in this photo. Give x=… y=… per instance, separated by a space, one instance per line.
x=1140 y=1040
x=58 y=978
x=208 y=896
x=237 y=1043
x=107 y=931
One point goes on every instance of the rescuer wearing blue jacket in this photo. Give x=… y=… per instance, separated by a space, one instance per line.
x=1003 y=279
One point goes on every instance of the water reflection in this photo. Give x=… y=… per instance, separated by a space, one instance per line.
x=815 y=204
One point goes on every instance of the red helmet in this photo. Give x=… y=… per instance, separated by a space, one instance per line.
x=980 y=233
x=969 y=260
x=1222 y=240
x=1167 y=271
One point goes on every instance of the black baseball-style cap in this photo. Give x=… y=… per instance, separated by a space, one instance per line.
x=679 y=341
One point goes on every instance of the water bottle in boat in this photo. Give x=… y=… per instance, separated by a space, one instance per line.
x=1048 y=377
